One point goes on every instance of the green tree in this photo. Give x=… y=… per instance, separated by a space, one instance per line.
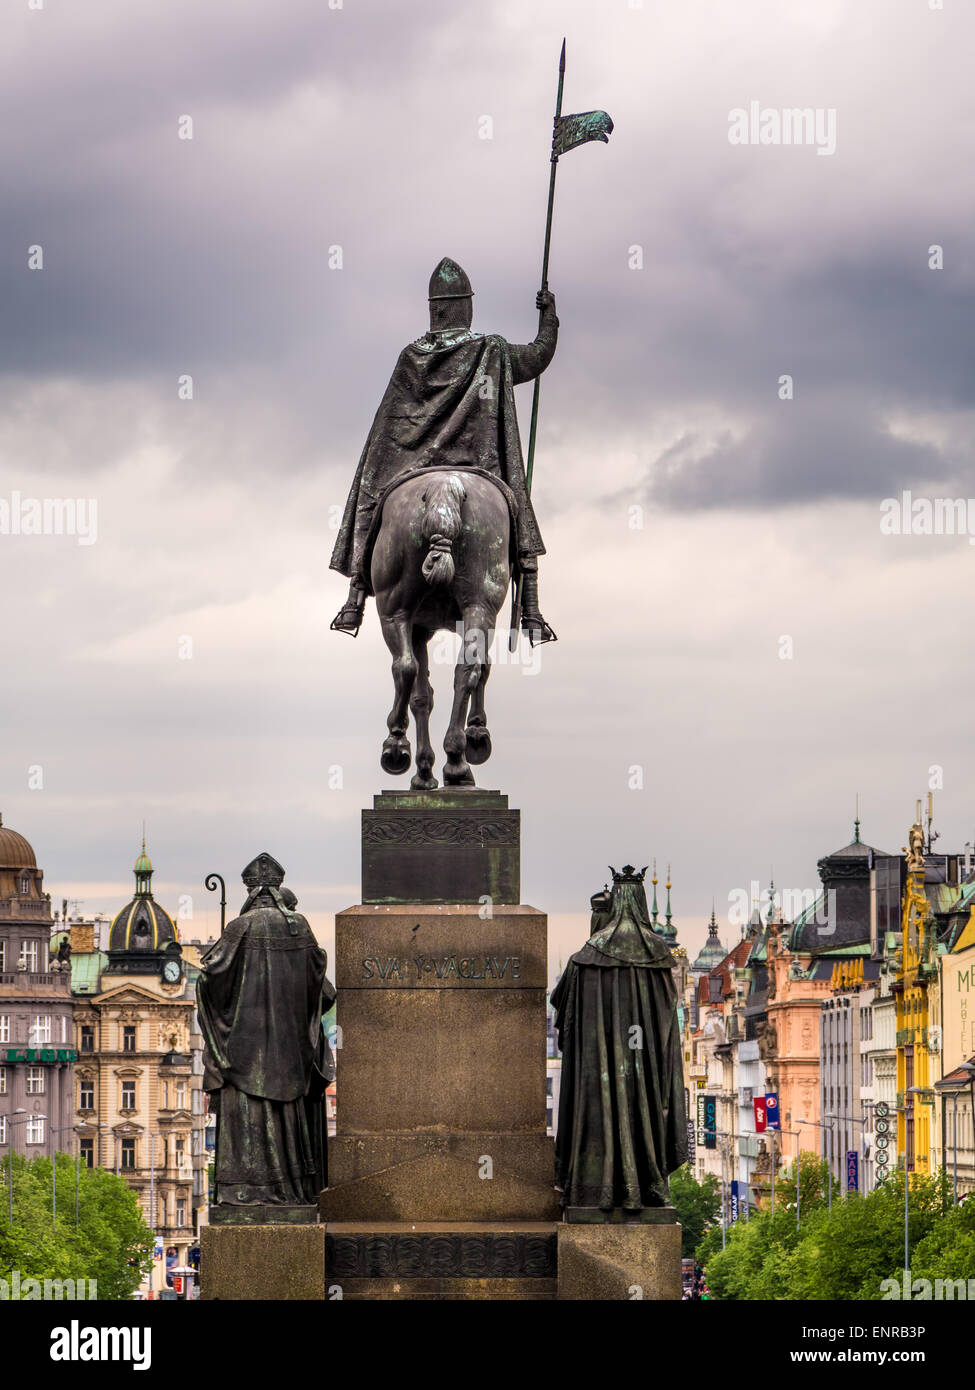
x=845 y=1252
x=698 y=1206
x=756 y=1262
x=947 y=1250
x=111 y=1242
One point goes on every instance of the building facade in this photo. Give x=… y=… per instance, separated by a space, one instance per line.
x=36 y=1032
x=139 y=1098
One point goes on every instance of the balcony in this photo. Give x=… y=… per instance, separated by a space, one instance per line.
x=25 y=907
x=29 y=982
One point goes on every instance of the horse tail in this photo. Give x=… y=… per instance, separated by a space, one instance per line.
x=441 y=526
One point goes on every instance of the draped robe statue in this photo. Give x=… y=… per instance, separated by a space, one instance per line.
x=260 y=997
x=622 y=1118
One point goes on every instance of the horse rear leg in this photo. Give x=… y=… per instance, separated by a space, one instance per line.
x=478 y=735
x=421 y=703
x=468 y=676
x=396 y=755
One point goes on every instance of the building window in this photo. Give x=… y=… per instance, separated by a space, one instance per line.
x=28 y=954
x=3 y=1129
x=4 y=1028
x=86 y=1099
x=128 y=1038
x=40 y=1030
x=87 y=1038
x=128 y=1095
x=35 y=1081
x=181 y=1095
x=25 y=885
x=35 y=1130
x=88 y=1152
x=181 y=1212
x=3 y=1081
x=3 y=956
x=128 y=1153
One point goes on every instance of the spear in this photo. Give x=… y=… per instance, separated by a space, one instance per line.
x=567 y=132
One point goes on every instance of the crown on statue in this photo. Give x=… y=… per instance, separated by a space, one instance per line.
x=628 y=874
x=263 y=872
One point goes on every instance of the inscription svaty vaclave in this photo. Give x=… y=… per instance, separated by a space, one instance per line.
x=427 y=970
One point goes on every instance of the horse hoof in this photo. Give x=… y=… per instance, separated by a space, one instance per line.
x=423 y=784
x=396 y=757
x=478 y=744
x=459 y=776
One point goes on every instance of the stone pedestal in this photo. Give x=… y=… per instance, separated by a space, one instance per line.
x=631 y=1260
x=279 y=1262
x=441 y=1068
x=441 y=1174
x=442 y=1261
x=452 y=845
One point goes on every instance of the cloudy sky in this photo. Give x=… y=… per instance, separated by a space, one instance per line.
x=741 y=649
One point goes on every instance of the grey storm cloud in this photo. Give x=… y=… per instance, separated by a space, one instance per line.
x=690 y=275
x=794 y=454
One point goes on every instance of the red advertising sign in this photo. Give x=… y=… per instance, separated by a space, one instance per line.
x=759 y=1105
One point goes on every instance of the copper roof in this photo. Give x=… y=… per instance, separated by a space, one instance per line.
x=15 y=851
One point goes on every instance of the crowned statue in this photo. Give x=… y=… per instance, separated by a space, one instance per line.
x=622 y=1118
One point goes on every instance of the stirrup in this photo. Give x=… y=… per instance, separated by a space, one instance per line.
x=537 y=629
x=348 y=619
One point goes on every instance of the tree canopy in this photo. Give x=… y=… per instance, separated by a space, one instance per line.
x=111 y=1242
x=842 y=1252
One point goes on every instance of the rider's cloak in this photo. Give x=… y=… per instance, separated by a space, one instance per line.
x=450 y=402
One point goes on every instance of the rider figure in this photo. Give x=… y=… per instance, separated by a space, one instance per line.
x=450 y=403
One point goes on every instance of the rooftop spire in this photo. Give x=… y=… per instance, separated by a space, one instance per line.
x=856 y=823
x=143 y=871
x=668 y=913
x=653 y=920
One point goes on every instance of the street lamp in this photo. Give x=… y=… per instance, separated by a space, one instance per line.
x=24 y=1117
x=726 y=1135
x=79 y=1130
x=820 y=1124
x=911 y=1091
x=796 y=1133
x=59 y=1129
x=969 y=1068
x=852 y=1120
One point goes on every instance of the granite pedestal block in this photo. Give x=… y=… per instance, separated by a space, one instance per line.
x=442 y=1261
x=631 y=1260
x=451 y=845
x=441 y=1067
x=281 y=1262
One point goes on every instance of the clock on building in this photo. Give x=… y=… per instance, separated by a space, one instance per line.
x=171 y=972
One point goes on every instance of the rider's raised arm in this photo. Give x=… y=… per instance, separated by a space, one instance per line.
x=528 y=360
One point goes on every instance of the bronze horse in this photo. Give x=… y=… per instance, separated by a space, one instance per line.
x=441 y=560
